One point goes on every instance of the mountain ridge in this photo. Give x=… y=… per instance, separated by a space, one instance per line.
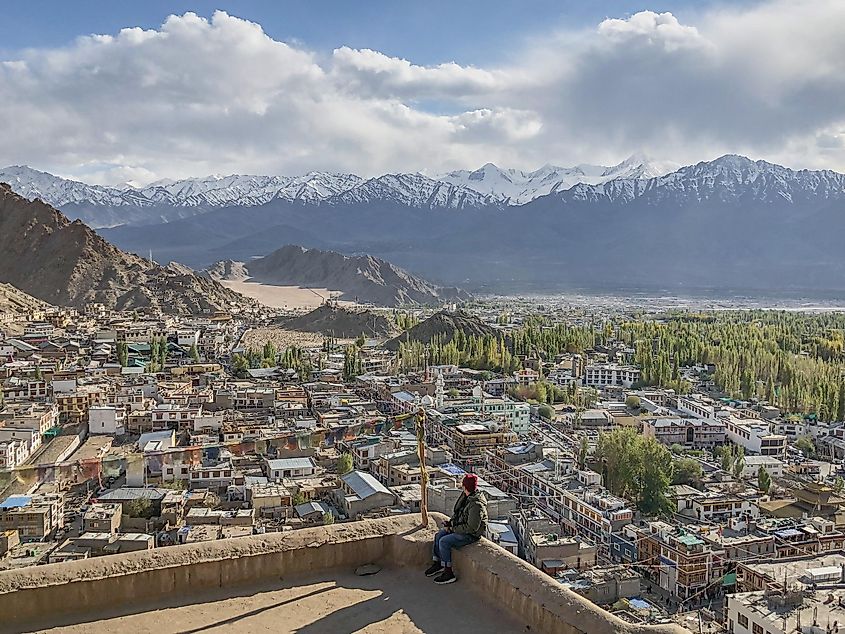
x=65 y=263
x=362 y=278
x=166 y=200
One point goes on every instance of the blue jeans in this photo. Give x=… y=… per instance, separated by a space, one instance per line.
x=444 y=542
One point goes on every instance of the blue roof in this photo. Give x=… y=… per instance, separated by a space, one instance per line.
x=789 y=532
x=452 y=469
x=15 y=501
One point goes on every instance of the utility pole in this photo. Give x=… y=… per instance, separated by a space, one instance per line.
x=420 y=420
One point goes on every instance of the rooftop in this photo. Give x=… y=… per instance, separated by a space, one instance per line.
x=393 y=600
x=301 y=581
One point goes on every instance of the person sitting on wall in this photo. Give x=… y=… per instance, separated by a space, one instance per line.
x=468 y=525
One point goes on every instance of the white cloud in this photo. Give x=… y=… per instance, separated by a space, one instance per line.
x=201 y=95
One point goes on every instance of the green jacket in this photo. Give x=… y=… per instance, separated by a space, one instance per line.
x=470 y=517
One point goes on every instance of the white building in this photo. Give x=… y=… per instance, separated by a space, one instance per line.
x=516 y=413
x=103 y=419
x=12 y=453
x=772 y=465
x=693 y=407
x=604 y=374
x=784 y=613
x=30 y=437
x=755 y=437
x=281 y=468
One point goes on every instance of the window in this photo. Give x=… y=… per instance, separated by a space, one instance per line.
x=742 y=620
x=757 y=629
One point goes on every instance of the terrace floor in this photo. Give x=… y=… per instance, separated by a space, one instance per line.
x=393 y=601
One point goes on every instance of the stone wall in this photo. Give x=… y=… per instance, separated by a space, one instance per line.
x=88 y=587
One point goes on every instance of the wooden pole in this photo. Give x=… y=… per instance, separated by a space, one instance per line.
x=420 y=420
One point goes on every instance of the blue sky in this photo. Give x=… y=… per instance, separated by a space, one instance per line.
x=429 y=32
x=111 y=91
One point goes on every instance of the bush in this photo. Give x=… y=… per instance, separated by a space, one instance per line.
x=632 y=402
x=546 y=411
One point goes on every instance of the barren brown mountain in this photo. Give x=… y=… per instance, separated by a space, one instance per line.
x=67 y=264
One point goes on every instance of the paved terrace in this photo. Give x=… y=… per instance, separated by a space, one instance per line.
x=300 y=582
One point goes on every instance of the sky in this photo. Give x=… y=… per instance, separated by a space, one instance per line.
x=111 y=92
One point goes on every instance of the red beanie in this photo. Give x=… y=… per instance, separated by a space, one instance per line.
x=470 y=482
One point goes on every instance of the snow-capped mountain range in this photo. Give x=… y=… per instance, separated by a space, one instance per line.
x=726 y=179
x=167 y=199
x=516 y=187
x=731 y=222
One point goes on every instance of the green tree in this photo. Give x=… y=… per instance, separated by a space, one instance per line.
x=839 y=484
x=727 y=458
x=633 y=402
x=637 y=468
x=122 y=353
x=583 y=451
x=139 y=507
x=360 y=341
x=351 y=363
x=298 y=498
x=687 y=471
x=240 y=365
x=269 y=353
x=656 y=472
x=764 y=480
x=546 y=411
x=806 y=446
x=739 y=462
x=195 y=353
x=344 y=464
x=328 y=518
x=163 y=351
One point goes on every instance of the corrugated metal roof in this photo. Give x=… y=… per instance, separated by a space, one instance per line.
x=363 y=484
x=132 y=493
x=280 y=464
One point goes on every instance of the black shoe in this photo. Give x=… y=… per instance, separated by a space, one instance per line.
x=446 y=577
x=433 y=569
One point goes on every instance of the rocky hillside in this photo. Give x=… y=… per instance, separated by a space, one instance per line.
x=443 y=325
x=66 y=263
x=16 y=303
x=361 y=278
x=343 y=323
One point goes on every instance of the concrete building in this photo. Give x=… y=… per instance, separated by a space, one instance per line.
x=755 y=437
x=603 y=374
x=281 y=468
x=516 y=414
x=693 y=433
x=12 y=453
x=773 y=465
x=103 y=419
x=361 y=493
x=102 y=518
x=788 y=611
x=35 y=517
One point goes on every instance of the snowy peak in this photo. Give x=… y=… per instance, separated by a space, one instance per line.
x=53 y=190
x=727 y=179
x=639 y=165
x=516 y=187
x=413 y=190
